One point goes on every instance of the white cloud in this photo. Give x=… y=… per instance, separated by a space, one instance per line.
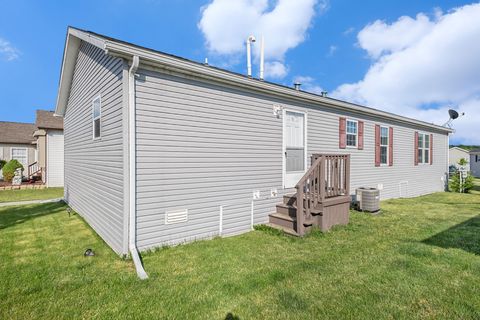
x=275 y=69
x=348 y=31
x=420 y=62
x=8 y=51
x=379 y=37
x=331 y=50
x=226 y=24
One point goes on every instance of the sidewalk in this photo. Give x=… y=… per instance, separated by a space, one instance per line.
x=20 y=203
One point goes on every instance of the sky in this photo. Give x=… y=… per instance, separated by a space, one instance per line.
x=414 y=58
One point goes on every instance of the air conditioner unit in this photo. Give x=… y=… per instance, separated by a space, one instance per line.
x=368 y=199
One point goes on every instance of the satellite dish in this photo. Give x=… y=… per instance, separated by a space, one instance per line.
x=453 y=114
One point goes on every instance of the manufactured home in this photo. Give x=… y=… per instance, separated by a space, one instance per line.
x=456 y=154
x=475 y=162
x=161 y=150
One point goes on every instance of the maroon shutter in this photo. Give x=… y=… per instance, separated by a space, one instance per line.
x=377 y=145
x=390 y=147
x=415 y=152
x=343 y=133
x=431 y=149
x=360 y=135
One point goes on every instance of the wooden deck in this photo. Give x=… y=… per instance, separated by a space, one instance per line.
x=324 y=190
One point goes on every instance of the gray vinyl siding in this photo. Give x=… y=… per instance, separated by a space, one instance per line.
x=206 y=148
x=94 y=173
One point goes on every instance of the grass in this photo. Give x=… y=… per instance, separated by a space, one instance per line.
x=419 y=259
x=30 y=194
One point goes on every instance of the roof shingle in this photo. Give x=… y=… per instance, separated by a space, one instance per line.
x=47 y=120
x=16 y=132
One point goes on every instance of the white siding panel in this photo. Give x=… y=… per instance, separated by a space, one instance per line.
x=94 y=172
x=55 y=158
x=202 y=146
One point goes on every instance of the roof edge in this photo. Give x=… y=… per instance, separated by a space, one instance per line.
x=122 y=49
x=70 y=52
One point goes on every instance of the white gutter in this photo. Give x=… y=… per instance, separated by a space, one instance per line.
x=132 y=163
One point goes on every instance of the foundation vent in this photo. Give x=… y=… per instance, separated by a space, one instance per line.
x=176 y=216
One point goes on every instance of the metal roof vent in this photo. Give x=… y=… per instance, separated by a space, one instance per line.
x=297 y=85
x=176 y=216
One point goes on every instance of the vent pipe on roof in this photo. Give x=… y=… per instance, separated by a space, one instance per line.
x=262 y=57
x=250 y=40
x=297 y=85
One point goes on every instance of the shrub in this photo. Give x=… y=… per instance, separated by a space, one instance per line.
x=9 y=169
x=456 y=186
x=2 y=163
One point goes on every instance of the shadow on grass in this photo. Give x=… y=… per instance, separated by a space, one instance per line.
x=465 y=236
x=12 y=216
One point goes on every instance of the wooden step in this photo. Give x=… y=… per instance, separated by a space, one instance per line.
x=286 y=209
x=284 y=229
x=282 y=220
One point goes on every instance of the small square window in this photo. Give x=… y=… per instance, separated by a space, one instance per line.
x=97 y=115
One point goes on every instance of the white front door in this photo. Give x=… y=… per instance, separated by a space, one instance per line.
x=294 y=147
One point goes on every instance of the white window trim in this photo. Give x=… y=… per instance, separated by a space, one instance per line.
x=346 y=134
x=387 y=145
x=284 y=147
x=423 y=149
x=19 y=148
x=99 y=97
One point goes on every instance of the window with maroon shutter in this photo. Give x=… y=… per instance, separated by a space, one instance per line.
x=415 y=150
x=360 y=135
x=423 y=148
x=390 y=147
x=343 y=133
x=431 y=149
x=377 y=145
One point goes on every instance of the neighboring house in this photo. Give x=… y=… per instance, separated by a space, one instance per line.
x=455 y=154
x=49 y=140
x=16 y=142
x=475 y=162
x=162 y=150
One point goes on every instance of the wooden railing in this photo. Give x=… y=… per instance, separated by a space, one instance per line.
x=327 y=177
x=33 y=169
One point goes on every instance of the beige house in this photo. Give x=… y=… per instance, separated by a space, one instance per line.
x=455 y=154
x=38 y=147
x=49 y=146
x=17 y=142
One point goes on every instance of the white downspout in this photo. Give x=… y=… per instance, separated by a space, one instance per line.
x=132 y=241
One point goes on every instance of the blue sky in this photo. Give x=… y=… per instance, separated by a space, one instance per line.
x=330 y=54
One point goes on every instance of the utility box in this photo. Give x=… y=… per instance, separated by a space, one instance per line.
x=368 y=199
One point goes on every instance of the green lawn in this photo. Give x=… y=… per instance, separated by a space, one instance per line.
x=419 y=259
x=30 y=194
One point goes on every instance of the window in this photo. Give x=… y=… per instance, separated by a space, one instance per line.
x=352 y=133
x=20 y=154
x=384 y=137
x=476 y=158
x=423 y=148
x=97 y=114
